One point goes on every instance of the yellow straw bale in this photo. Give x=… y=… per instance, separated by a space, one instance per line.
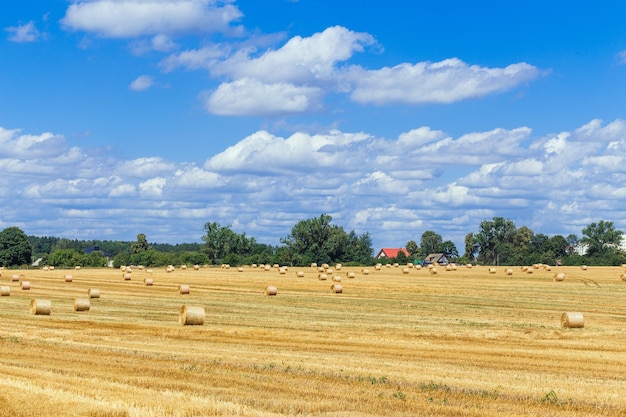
x=40 y=307
x=322 y=276
x=405 y=271
x=492 y=270
x=365 y=271
x=509 y=271
x=433 y=271
x=25 y=285
x=560 y=276
x=183 y=289
x=15 y=278
x=271 y=290
x=82 y=304
x=572 y=320
x=300 y=274
x=191 y=316
x=93 y=293
x=148 y=282
x=5 y=291
x=68 y=278
x=127 y=276
x=336 y=288
x=350 y=274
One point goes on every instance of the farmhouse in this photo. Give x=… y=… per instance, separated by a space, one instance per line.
x=436 y=259
x=388 y=253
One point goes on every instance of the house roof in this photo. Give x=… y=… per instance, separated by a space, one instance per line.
x=435 y=258
x=391 y=252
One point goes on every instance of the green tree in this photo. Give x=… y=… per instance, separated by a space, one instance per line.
x=430 y=243
x=141 y=245
x=413 y=249
x=471 y=248
x=448 y=248
x=494 y=240
x=601 y=238
x=15 y=248
x=67 y=258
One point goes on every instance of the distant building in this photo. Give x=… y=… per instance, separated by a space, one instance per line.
x=436 y=259
x=91 y=249
x=388 y=253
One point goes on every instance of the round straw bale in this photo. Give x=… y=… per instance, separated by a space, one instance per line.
x=509 y=271
x=267 y=267
x=405 y=271
x=313 y=265
x=239 y=269
x=52 y=268
x=336 y=288
x=448 y=267
x=623 y=277
x=433 y=271
x=529 y=271
x=468 y=266
x=547 y=268
x=365 y=271
x=93 y=293
x=5 y=291
x=127 y=276
x=191 y=316
x=15 y=278
x=300 y=274
x=572 y=320
x=583 y=267
x=418 y=267
x=148 y=282
x=45 y=268
x=183 y=267
x=82 y=304
x=68 y=278
x=338 y=267
x=337 y=278
x=322 y=276
x=325 y=266
x=350 y=274
x=25 y=285
x=560 y=276
x=282 y=270
x=40 y=307
x=378 y=267
x=183 y=289
x=492 y=270
x=77 y=267
x=196 y=267
x=271 y=290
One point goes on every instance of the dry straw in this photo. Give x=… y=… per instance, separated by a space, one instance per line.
x=509 y=271
x=148 y=282
x=15 y=278
x=572 y=320
x=337 y=278
x=492 y=270
x=183 y=289
x=271 y=290
x=322 y=277
x=336 y=288
x=405 y=271
x=365 y=271
x=5 y=291
x=583 y=267
x=191 y=316
x=93 y=293
x=240 y=269
x=127 y=276
x=350 y=274
x=559 y=276
x=25 y=285
x=338 y=267
x=196 y=267
x=82 y=304
x=623 y=277
x=300 y=274
x=68 y=278
x=40 y=307
x=433 y=271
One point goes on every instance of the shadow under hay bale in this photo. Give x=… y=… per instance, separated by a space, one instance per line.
x=271 y=290
x=191 y=316
x=572 y=320
x=40 y=307
x=82 y=304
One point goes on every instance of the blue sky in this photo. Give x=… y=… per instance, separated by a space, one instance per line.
x=120 y=117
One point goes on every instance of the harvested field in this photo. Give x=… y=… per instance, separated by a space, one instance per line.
x=459 y=343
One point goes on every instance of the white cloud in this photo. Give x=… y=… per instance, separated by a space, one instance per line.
x=133 y=18
x=621 y=56
x=27 y=32
x=439 y=82
x=141 y=83
x=249 y=97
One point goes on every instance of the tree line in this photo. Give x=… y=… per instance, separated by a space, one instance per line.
x=496 y=242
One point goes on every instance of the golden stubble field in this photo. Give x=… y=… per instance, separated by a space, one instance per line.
x=459 y=343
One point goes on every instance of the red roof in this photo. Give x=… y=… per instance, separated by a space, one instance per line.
x=391 y=252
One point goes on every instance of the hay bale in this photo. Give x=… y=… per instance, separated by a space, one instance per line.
x=183 y=267
x=239 y=269
x=350 y=274
x=583 y=267
x=93 y=293
x=573 y=320
x=448 y=267
x=82 y=304
x=313 y=265
x=322 y=276
x=267 y=267
x=77 y=267
x=25 y=285
x=15 y=278
x=433 y=271
x=492 y=270
x=509 y=271
x=148 y=282
x=271 y=290
x=378 y=267
x=365 y=271
x=338 y=267
x=336 y=288
x=325 y=266
x=68 y=278
x=191 y=316
x=183 y=289
x=418 y=267
x=336 y=278
x=127 y=276
x=282 y=270
x=623 y=277
x=405 y=271
x=300 y=274
x=560 y=276
x=469 y=266
x=5 y=291
x=196 y=267
x=40 y=307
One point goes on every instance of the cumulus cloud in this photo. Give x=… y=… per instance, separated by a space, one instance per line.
x=141 y=83
x=266 y=183
x=27 y=32
x=133 y=18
